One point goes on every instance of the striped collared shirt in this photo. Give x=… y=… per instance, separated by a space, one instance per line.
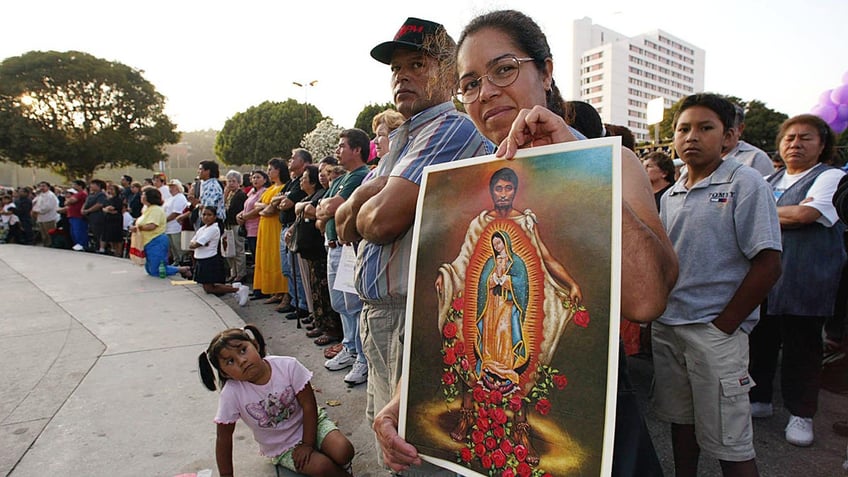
x=437 y=135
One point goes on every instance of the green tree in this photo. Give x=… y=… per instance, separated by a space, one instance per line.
x=761 y=125
x=74 y=113
x=322 y=141
x=363 y=120
x=265 y=131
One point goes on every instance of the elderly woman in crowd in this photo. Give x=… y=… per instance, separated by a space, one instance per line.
x=383 y=124
x=151 y=224
x=234 y=199
x=804 y=296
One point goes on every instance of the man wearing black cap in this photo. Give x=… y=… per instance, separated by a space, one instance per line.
x=382 y=210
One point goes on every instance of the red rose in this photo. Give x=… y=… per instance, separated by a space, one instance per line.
x=498 y=458
x=482 y=412
x=480 y=450
x=448 y=378
x=449 y=331
x=465 y=454
x=506 y=446
x=499 y=415
x=491 y=443
x=515 y=403
x=498 y=431
x=581 y=318
x=495 y=397
x=482 y=424
x=547 y=474
x=543 y=406
x=477 y=436
x=478 y=394
x=464 y=364
x=458 y=304
x=524 y=469
x=486 y=461
x=520 y=452
x=560 y=381
x=450 y=357
x=508 y=473
x=460 y=347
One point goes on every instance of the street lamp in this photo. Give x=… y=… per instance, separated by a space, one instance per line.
x=305 y=87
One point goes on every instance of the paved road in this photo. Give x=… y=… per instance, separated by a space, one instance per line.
x=100 y=373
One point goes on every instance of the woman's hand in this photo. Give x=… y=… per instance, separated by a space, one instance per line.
x=534 y=127
x=134 y=229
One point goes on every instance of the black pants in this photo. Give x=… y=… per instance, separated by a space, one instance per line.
x=800 y=372
x=633 y=451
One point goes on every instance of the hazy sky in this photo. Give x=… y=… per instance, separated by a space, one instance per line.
x=213 y=59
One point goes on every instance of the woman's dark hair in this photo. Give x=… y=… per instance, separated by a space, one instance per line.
x=212 y=209
x=279 y=164
x=527 y=35
x=212 y=167
x=826 y=135
x=311 y=170
x=208 y=360
x=583 y=117
x=664 y=162
x=152 y=195
x=264 y=176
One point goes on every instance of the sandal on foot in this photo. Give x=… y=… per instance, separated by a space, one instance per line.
x=314 y=333
x=324 y=340
x=332 y=351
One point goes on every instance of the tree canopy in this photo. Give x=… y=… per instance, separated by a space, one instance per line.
x=363 y=120
x=74 y=113
x=271 y=129
x=761 y=123
x=322 y=141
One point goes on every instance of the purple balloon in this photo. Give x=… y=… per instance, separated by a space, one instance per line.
x=839 y=125
x=845 y=77
x=842 y=112
x=840 y=94
x=825 y=111
x=824 y=98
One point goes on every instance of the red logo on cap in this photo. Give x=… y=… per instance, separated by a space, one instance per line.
x=409 y=29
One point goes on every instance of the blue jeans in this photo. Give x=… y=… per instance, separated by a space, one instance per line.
x=79 y=231
x=156 y=252
x=348 y=305
x=289 y=266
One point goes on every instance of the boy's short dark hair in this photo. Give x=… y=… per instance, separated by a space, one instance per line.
x=723 y=108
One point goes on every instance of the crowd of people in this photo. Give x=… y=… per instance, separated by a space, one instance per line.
x=728 y=255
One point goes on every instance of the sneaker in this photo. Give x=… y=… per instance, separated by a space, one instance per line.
x=242 y=294
x=78 y=248
x=799 y=431
x=760 y=410
x=357 y=375
x=341 y=361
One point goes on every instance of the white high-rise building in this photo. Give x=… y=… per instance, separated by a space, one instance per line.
x=618 y=74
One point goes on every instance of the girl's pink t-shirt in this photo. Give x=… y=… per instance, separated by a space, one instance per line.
x=272 y=410
x=252 y=225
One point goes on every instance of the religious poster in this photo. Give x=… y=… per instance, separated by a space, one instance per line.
x=511 y=340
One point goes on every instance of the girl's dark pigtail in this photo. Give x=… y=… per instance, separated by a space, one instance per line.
x=207 y=373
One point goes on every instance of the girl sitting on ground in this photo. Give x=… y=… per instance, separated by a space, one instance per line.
x=273 y=396
x=209 y=268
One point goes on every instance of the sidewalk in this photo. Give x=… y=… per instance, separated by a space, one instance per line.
x=100 y=378
x=100 y=373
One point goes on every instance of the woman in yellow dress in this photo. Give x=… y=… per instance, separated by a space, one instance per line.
x=268 y=276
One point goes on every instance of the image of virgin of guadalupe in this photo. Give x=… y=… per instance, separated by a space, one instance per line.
x=502 y=299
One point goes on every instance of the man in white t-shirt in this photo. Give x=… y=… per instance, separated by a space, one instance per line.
x=45 y=208
x=174 y=206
